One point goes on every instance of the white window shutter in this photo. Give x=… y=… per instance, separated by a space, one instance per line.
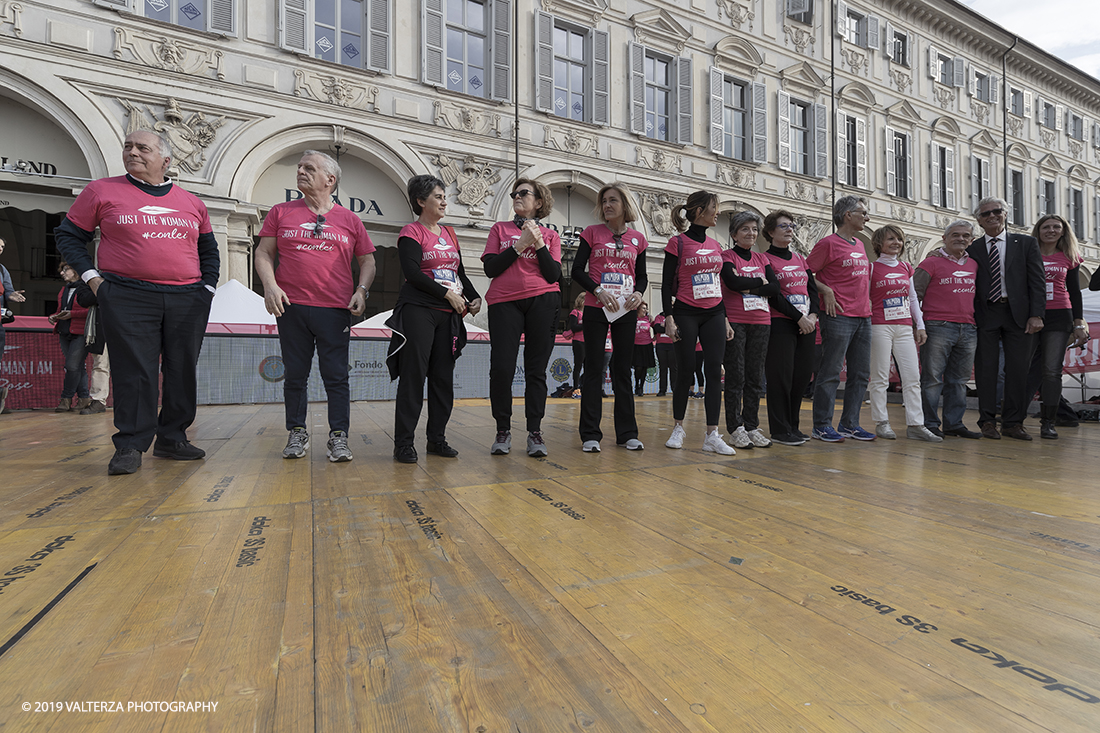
x=842 y=147
x=1096 y=219
x=784 y=118
x=759 y=123
x=684 y=128
x=909 y=192
x=378 y=36
x=874 y=42
x=544 y=62
x=971 y=80
x=958 y=68
x=1028 y=97
x=821 y=140
x=295 y=23
x=994 y=89
x=1059 y=116
x=934 y=173
x=500 y=48
x=1096 y=134
x=987 y=180
x=1042 y=197
x=1010 y=194
x=431 y=57
x=223 y=17
x=717 y=111
x=636 y=88
x=798 y=7
x=933 y=62
x=975 y=181
x=888 y=40
x=841 y=18
x=861 y=153
x=1040 y=108
x=601 y=78
x=891 y=163
x=949 y=176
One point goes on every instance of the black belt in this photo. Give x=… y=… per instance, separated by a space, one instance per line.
x=1000 y=300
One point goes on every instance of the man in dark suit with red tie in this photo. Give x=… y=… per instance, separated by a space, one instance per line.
x=1009 y=305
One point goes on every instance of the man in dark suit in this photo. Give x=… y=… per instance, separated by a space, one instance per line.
x=1009 y=305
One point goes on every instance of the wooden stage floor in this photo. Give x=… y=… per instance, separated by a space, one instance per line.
x=891 y=586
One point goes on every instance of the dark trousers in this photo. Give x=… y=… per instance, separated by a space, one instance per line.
x=666 y=366
x=710 y=331
x=700 y=373
x=533 y=319
x=788 y=366
x=998 y=327
x=744 y=362
x=150 y=331
x=622 y=344
x=1045 y=373
x=578 y=362
x=426 y=355
x=76 y=374
x=303 y=329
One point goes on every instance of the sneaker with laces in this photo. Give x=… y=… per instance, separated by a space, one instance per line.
x=632 y=444
x=676 y=440
x=740 y=438
x=919 y=432
x=178 y=451
x=713 y=443
x=502 y=445
x=124 y=461
x=856 y=433
x=788 y=439
x=827 y=434
x=338 y=451
x=591 y=446
x=759 y=439
x=536 y=448
x=884 y=431
x=801 y=434
x=297 y=443
x=442 y=449
x=404 y=454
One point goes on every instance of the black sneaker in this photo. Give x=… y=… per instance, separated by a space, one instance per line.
x=125 y=460
x=788 y=439
x=181 y=451
x=404 y=454
x=442 y=450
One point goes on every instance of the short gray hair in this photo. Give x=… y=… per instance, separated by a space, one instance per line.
x=990 y=200
x=329 y=164
x=843 y=205
x=741 y=218
x=164 y=145
x=956 y=224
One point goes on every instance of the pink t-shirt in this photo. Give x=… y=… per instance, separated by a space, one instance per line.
x=698 y=279
x=610 y=267
x=746 y=307
x=316 y=270
x=950 y=293
x=522 y=279
x=794 y=282
x=642 y=336
x=440 y=256
x=890 y=293
x=845 y=268
x=578 y=335
x=143 y=237
x=1056 y=266
x=661 y=337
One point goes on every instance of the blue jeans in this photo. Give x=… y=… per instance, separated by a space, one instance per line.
x=76 y=356
x=946 y=360
x=842 y=337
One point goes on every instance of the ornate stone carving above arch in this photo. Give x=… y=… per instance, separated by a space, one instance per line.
x=738 y=56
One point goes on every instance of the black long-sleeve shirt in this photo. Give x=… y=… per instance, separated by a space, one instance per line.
x=781 y=304
x=580 y=269
x=498 y=264
x=419 y=289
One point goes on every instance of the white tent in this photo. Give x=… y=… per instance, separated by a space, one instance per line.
x=235 y=303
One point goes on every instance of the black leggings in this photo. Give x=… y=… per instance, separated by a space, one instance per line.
x=710 y=331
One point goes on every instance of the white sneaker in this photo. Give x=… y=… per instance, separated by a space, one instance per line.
x=676 y=440
x=713 y=443
x=919 y=432
x=759 y=439
x=632 y=444
x=883 y=430
x=591 y=446
x=740 y=438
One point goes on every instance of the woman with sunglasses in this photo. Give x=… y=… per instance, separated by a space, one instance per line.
x=427 y=321
x=1064 y=325
x=523 y=260
x=610 y=266
x=692 y=274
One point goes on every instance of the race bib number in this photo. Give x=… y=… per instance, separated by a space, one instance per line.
x=616 y=284
x=448 y=279
x=1050 y=291
x=754 y=302
x=801 y=302
x=705 y=285
x=896 y=309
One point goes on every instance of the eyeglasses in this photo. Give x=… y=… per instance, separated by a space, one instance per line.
x=791 y=226
x=864 y=214
x=523 y=193
x=319 y=226
x=991 y=212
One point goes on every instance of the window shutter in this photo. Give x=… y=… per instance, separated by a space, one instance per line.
x=984 y=172
x=842 y=147
x=910 y=49
x=891 y=163
x=958 y=68
x=294 y=25
x=544 y=61
x=821 y=140
x=861 y=153
x=1027 y=103
x=1042 y=197
x=717 y=110
x=888 y=40
x=1059 y=116
x=874 y=42
x=759 y=123
x=934 y=160
x=841 y=18
x=949 y=176
x=431 y=67
x=971 y=80
x=223 y=19
x=116 y=4
x=1040 y=108
x=501 y=50
x=1010 y=194
x=994 y=89
x=909 y=193
x=784 y=131
x=1096 y=218
x=798 y=7
x=1096 y=134
x=933 y=62
x=975 y=181
x=636 y=88
x=601 y=78
x=684 y=131
x=378 y=36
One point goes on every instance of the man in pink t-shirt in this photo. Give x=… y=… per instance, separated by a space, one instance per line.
x=313 y=296
x=839 y=262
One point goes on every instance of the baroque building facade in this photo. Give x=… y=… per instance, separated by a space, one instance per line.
x=770 y=103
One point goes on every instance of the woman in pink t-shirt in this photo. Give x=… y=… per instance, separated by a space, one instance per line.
x=523 y=259
x=610 y=266
x=1064 y=325
x=574 y=325
x=644 y=359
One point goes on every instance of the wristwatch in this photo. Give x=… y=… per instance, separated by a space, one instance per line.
x=366 y=293
x=598 y=290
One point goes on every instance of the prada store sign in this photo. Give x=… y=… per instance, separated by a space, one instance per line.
x=33 y=145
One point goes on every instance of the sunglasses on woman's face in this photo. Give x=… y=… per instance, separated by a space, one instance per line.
x=522 y=193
